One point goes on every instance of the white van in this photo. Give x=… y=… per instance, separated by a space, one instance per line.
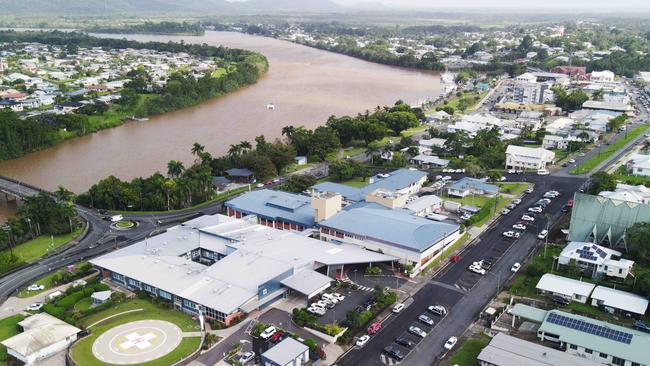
x=54 y=295
x=117 y=218
x=543 y=172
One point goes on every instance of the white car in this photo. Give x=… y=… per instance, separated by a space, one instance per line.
x=399 y=307
x=519 y=226
x=268 y=332
x=511 y=171
x=527 y=218
x=338 y=296
x=515 y=267
x=35 y=287
x=571 y=161
x=542 y=234
x=78 y=283
x=502 y=179
x=516 y=201
x=363 y=340
x=34 y=306
x=505 y=211
x=477 y=269
x=330 y=298
x=451 y=342
x=530 y=190
x=417 y=331
x=246 y=357
x=535 y=209
x=316 y=311
x=511 y=234
x=260 y=185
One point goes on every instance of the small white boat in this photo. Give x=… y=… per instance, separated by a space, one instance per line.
x=270 y=106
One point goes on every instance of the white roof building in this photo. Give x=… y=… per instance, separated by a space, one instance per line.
x=560 y=124
x=629 y=193
x=639 y=164
x=429 y=161
x=602 y=76
x=596 y=260
x=469 y=128
x=437 y=142
x=528 y=157
x=565 y=287
x=424 y=205
x=620 y=300
x=482 y=119
x=526 y=78
x=43 y=336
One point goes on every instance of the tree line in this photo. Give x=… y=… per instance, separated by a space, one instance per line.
x=164 y=27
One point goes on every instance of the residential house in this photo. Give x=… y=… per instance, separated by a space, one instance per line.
x=639 y=164
x=628 y=193
x=567 y=288
x=429 y=161
x=602 y=76
x=595 y=260
x=471 y=186
x=613 y=300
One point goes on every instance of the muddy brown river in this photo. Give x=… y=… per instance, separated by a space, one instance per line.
x=306 y=86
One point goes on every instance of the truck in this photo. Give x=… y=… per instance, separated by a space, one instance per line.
x=117 y=218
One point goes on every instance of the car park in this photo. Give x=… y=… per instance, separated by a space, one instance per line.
x=519 y=226
x=35 y=287
x=511 y=234
x=515 y=267
x=417 y=331
x=374 y=328
x=394 y=353
x=268 y=332
x=451 y=342
x=404 y=341
x=527 y=218
x=426 y=320
x=438 y=309
x=363 y=340
x=477 y=269
x=535 y=209
x=34 y=306
x=542 y=234
x=246 y=357
x=399 y=307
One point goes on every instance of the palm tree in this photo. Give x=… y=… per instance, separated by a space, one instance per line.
x=175 y=168
x=234 y=150
x=170 y=184
x=371 y=150
x=197 y=150
x=245 y=145
x=288 y=131
x=62 y=194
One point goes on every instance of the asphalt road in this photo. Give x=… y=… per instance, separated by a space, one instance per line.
x=465 y=294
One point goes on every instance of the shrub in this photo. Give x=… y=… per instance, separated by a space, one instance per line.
x=54 y=310
x=345 y=338
x=373 y=270
x=310 y=343
x=302 y=317
x=332 y=329
x=258 y=329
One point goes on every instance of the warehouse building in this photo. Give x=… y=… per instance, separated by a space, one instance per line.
x=222 y=266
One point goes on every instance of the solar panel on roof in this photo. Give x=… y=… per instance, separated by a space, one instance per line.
x=601 y=253
x=590 y=328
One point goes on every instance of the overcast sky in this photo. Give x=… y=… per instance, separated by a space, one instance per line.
x=624 y=5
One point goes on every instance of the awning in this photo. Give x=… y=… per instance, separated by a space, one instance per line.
x=308 y=282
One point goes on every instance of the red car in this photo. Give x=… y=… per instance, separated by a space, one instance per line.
x=374 y=328
x=455 y=259
x=276 y=337
x=569 y=204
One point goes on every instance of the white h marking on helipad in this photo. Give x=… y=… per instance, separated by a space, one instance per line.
x=136 y=340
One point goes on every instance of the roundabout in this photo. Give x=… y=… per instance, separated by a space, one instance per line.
x=137 y=342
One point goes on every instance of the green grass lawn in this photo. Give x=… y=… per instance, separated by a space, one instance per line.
x=605 y=152
x=83 y=304
x=36 y=248
x=8 y=329
x=82 y=350
x=467 y=354
x=514 y=189
x=412 y=131
x=477 y=201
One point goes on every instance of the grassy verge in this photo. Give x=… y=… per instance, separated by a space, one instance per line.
x=467 y=354
x=514 y=189
x=447 y=252
x=412 y=131
x=8 y=329
x=82 y=350
x=589 y=164
x=501 y=203
x=36 y=248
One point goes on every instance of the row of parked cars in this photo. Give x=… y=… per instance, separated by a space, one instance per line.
x=327 y=301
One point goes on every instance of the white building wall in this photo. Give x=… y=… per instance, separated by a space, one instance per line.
x=44 y=352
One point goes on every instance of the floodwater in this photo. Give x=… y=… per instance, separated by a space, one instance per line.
x=306 y=86
x=7 y=208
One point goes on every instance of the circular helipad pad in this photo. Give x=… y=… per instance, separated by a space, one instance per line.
x=137 y=342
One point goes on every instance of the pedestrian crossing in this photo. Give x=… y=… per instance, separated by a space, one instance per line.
x=387 y=360
x=360 y=287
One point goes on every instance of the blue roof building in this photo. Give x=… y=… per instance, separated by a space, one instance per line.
x=468 y=186
x=402 y=180
x=278 y=209
x=413 y=239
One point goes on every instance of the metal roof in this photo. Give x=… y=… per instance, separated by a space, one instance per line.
x=41 y=331
x=423 y=202
x=395 y=181
x=473 y=183
x=506 y=350
x=307 y=282
x=620 y=300
x=565 y=286
x=394 y=227
x=236 y=172
x=285 y=352
x=276 y=205
x=529 y=312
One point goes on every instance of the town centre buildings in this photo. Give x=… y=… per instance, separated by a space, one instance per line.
x=223 y=267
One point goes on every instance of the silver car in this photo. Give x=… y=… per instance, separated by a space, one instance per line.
x=417 y=331
x=426 y=320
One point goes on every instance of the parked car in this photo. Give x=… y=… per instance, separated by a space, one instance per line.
x=535 y=209
x=571 y=161
x=527 y=218
x=35 y=287
x=529 y=190
x=374 y=328
x=486 y=263
x=34 y=306
x=519 y=226
x=505 y=211
x=516 y=201
x=438 y=309
x=399 y=307
x=246 y=357
x=316 y=311
x=417 y=331
x=451 y=342
x=542 y=234
x=543 y=172
x=363 y=340
x=426 y=320
x=561 y=301
x=515 y=267
x=338 y=296
x=277 y=336
x=394 y=353
x=466 y=216
x=455 y=259
x=404 y=341
x=510 y=206
x=511 y=234
x=268 y=332
x=330 y=298
x=477 y=269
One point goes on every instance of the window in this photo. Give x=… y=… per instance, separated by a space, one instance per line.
x=573 y=346
x=603 y=355
x=620 y=270
x=635 y=364
x=165 y=295
x=587 y=350
x=618 y=361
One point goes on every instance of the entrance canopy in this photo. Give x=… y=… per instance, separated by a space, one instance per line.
x=307 y=282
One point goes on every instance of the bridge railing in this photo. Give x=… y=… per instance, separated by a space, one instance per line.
x=15 y=181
